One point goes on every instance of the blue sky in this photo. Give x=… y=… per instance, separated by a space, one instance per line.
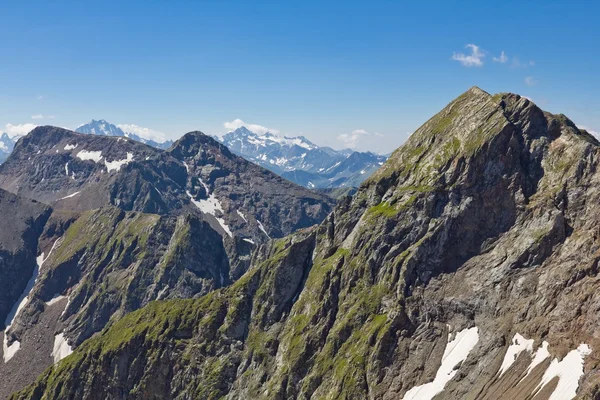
x=321 y=69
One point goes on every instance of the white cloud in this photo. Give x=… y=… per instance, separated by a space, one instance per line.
x=502 y=59
x=530 y=81
x=40 y=116
x=475 y=59
x=19 y=129
x=351 y=139
x=516 y=63
x=144 y=133
x=238 y=123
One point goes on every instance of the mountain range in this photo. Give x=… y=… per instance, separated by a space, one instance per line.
x=103 y=128
x=303 y=162
x=6 y=146
x=296 y=159
x=465 y=267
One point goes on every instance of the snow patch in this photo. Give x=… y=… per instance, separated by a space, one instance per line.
x=568 y=371
x=10 y=351
x=95 y=156
x=456 y=352
x=55 y=299
x=117 y=164
x=69 y=196
x=211 y=206
x=262 y=228
x=71 y=146
x=242 y=215
x=61 y=348
x=518 y=345
x=540 y=355
x=249 y=241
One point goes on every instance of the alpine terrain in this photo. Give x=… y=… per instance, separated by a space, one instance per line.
x=303 y=162
x=99 y=226
x=6 y=146
x=466 y=267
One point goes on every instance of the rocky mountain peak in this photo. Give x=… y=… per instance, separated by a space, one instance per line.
x=194 y=142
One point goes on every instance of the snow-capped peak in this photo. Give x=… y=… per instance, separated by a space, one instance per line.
x=133 y=132
x=266 y=139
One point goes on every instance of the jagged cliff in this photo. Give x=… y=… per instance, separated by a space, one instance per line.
x=465 y=268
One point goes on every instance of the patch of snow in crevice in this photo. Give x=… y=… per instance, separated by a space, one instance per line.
x=187 y=167
x=205 y=186
x=455 y=353
x=67 y=168
x=241 y=214
x=71 y=146
x=160 y=294
x=262 y=228
x=117 y=164
x=10 y=351
x=61 y=348
x=540 y=355
x=95 y=156
x=55 y=299
x=249 y=241
x=211 y=206
x=69 y=196
x=518 y=345
x=568 y=371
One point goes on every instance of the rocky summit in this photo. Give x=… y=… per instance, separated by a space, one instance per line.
x=466 y=267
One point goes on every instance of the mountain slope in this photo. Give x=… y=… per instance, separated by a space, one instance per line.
x=81 y=172
x=465 y=268
x=255 y=197
x=301 y=161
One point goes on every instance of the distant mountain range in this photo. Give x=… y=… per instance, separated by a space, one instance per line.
x=103 y=128
x=303 y=162
x=6 y=146
x=294 y=158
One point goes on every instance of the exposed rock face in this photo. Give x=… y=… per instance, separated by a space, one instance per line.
x=22 y=224
x=252 y=195
x=81 y=172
